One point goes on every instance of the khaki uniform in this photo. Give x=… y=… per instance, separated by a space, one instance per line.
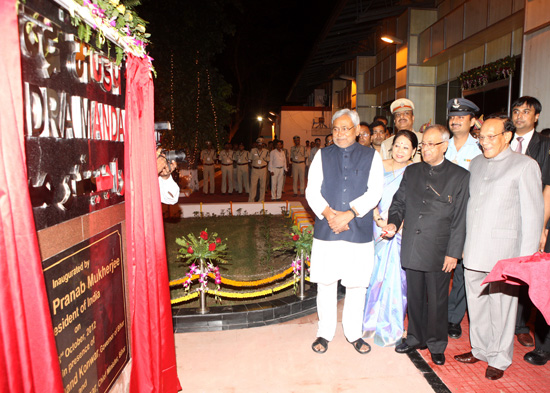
x=259 y=160
x=298 y=157
x=242 y=159
x=226 y=160
x=208 y=158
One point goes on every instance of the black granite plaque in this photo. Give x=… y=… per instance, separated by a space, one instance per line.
x=85 y=286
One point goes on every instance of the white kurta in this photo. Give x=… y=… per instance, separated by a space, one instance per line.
x=342 y=260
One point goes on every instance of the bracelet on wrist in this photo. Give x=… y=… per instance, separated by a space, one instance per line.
x=353 y=212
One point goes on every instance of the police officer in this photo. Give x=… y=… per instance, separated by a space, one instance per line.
x=226 y=160
x=462 y=149
x=242 y=159
x=208 y=159
x=259 y=157
x=298 y=158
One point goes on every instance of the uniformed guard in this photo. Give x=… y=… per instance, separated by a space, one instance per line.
x=226 y=160
x=242 y=159
x=259 y=157
x=462 y=149
x=208 y=159
x=298 y=158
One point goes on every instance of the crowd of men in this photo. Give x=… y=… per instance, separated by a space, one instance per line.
x=262 y=168
x=478 y=194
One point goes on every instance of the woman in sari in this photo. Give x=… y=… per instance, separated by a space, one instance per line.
x=386 y=301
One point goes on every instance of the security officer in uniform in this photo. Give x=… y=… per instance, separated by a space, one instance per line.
x=208 y=159
x=259 y=157
x=298 y=157
x=242 y=159
x=226 y=160
x=462 y=149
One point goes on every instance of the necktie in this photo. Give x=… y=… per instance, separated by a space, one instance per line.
x=519 y=147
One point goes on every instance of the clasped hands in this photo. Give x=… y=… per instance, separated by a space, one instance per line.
x=448 y=265
x=338 y=220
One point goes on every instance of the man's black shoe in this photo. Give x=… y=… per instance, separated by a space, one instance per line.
x=538 y=357
x=454 y=330
x=406 y=348
x=438 y=358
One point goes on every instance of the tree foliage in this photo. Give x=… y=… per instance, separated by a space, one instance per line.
x=187 y=35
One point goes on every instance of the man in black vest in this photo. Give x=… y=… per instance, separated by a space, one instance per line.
x=345 y=184
x=431 y=200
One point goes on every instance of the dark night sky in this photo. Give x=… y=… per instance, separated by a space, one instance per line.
x=273 y=38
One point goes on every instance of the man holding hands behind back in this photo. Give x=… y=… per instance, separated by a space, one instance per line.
x=345 y=184
x=431 y=200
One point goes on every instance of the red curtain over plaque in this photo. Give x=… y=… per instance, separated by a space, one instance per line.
x=28 y=356
x=153 y=348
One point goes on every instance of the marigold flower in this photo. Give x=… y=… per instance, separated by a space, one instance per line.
x=211 y=246
x=190 y=250
x=204 y=235
x=295 y=237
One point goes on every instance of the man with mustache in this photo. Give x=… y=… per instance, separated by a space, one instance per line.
x=462 y=149
x=402 y=110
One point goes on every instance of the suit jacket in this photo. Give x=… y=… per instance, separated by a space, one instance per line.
x=505 y=212
x=539 y=150
x=431 y=201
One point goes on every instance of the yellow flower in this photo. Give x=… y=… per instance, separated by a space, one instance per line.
x=121 y=8
x=114 y=2
x=141 y=28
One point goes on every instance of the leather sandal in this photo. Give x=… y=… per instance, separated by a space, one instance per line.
x=322 y=342
x=359 y=345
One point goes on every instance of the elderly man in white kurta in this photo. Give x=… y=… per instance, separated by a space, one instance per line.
x=345 y=184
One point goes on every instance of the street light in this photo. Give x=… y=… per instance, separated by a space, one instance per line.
x=390 y=39
x=260 y=118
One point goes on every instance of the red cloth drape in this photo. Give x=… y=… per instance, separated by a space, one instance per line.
x=153 y=348
x=28 y=356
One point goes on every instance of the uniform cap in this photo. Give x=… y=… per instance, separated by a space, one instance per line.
x=401 y=104
x=461 y=107
x=260 y=140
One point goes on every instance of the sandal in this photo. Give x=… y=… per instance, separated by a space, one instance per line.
x=322 y=342
x=359 y=346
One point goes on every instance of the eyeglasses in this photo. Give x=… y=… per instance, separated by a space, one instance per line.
x=364 y=135
x=343 y=129
x=426 y=145
x=489 y=138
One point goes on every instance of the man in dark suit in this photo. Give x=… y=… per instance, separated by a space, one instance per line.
x=431 y=200
x=525 y=114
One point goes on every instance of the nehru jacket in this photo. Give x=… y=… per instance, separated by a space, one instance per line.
x=431 y=200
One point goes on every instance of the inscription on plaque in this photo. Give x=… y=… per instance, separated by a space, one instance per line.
x=85 y=286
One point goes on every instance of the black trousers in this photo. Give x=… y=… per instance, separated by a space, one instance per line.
x=427 y=304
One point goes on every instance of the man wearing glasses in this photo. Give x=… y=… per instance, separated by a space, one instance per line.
x=504 y=220
x=402 y=110
x=345 y=185
x=364 y=137
x=431 y=200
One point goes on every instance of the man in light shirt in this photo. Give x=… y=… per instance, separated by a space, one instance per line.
x=226 y=161
x=463 y=148
x=345 y=185
x=277 y=168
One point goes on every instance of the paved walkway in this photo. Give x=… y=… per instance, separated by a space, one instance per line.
x=278 y=358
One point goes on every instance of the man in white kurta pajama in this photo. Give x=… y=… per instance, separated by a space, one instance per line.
x=345 y=184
